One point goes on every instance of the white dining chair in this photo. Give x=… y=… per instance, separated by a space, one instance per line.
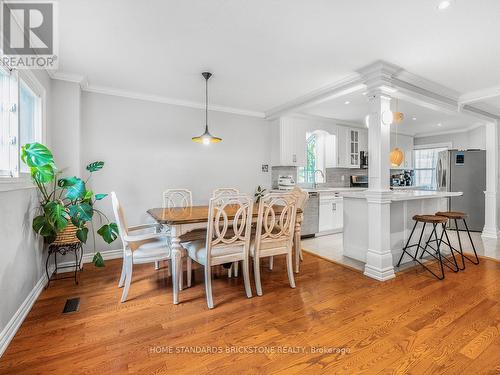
x=274 y=232
x=227 y=241
x=173 y=198
x=220 y=191
x=234 y=267
x=137 y=248
x=177 y=198
x=302 y=196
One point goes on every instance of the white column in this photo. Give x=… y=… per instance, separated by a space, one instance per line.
x=491 y=214
x=379 y=263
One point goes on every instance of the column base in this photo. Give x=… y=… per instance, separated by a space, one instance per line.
x=490 y=233
x=379 y=266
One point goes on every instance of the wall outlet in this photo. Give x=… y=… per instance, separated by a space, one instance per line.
x=265 y=168
x=342 y=178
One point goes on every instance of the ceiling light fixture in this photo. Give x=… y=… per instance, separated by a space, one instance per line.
x=444 y=4
x=347 y=102
x=439 y=124
x=414 y=118
x=206 y=138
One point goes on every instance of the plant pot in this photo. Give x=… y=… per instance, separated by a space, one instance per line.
x=67 y=236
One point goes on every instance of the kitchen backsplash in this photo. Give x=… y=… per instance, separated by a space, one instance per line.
x=335 y=177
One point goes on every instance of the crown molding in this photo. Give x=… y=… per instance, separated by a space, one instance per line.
x=105 y=90
x=349 y=84
x=479 y=95
x=445 y=132
x=165 y=100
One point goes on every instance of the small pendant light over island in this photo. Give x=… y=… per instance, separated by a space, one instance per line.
x=206 y=138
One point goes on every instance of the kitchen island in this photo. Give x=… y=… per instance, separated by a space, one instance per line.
x=403 y=204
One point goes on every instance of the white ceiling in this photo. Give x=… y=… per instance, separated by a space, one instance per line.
x=426 y=121
x=266 y=52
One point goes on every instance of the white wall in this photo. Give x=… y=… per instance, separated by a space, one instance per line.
x=147 y=148
x=475 y=138
x=65 y=126
x=23 y=258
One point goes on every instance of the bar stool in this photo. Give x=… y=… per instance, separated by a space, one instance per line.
x=435 y=221
x=455 y=216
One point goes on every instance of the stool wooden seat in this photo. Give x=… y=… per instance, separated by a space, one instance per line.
x=455 y=216
x=431 y=219
x=452 y=214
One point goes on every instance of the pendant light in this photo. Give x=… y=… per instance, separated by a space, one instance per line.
x=396 y=155
x=206 y=138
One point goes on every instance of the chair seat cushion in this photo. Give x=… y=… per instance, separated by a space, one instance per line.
x=268 y=248
x=153 y=248
x=197 y=251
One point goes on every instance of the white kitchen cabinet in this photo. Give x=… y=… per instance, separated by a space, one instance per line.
x=342 y=147
x=288 y=142
x=363 y=140
x=350 y=141
x=353 y=148
x=331 y=154
x=331 y=215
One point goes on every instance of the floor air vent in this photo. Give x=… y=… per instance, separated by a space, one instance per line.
x=72 y=305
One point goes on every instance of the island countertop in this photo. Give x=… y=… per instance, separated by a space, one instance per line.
x=405 y=195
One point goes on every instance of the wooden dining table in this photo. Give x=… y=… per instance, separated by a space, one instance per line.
x=182 y=220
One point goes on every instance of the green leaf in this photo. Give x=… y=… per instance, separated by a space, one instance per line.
x=82 y=234
x=82 y=211
x=43 y=174
x=97 y=260
x=77 y=222
x=42 y=226
x=88 y=195
x=109 y=232
x=75 y=187
x=95 y=166
x=57 y=215
x=98 y=197
x=35 y=155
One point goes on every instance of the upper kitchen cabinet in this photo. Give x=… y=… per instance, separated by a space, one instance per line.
x=350 y=142
x=288 y=142
x=405 y=144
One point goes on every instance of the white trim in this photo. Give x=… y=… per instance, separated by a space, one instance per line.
x=162 y=99
x=455 y=131
x=17 y=319
x=105 y=90
x=347 y=85
x=479 y=95
x=448 y=145
x=15 y=183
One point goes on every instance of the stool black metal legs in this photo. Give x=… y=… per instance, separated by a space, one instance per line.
x=476 y=261
x=443 y=261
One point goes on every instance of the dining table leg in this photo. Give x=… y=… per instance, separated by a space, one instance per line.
x=176 y=257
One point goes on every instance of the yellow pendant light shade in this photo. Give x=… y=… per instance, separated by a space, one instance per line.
x=396 y=157
x=398 y=117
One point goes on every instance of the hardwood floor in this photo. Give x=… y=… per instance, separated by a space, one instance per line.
x=412 y=324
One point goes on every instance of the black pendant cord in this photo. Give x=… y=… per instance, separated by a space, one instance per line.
x=206 y=104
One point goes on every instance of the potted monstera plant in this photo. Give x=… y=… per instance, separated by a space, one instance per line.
x=67 y=207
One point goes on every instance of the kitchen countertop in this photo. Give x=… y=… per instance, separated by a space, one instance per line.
x=327 y=189
x=406 y=195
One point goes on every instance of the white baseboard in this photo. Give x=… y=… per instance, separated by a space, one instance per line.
x=15 y=322
x=87 y=258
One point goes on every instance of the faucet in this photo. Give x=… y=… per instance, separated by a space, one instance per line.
x=315 y=184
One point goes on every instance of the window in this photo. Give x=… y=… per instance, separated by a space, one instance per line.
x=425 y=167
x=315 y=158
x=21 y=115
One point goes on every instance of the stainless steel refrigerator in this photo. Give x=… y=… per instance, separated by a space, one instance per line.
x=464 y=171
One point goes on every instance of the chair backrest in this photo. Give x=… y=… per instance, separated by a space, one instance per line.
x=302 y=197
x=120 y=217
x=177 y=198
x=224 y=231
x=220 y=191
x=276 y=221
